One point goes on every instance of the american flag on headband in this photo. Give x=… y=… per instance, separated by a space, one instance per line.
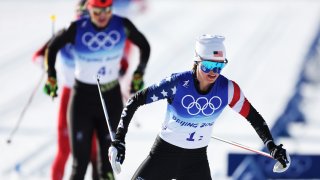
x=217 y=53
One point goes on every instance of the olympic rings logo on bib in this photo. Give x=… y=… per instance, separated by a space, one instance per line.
x=101 y=40
x=202 y=104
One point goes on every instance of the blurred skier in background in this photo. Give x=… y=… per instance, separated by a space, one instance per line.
x=98 y=45
x=66 y=73
x=195 y=99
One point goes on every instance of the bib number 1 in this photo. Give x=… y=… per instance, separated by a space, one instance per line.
x=192 y=137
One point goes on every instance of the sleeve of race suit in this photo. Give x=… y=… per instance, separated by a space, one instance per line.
x=239 y=103
x=137 y=38
x=62 y=38
x=166 y=89
x=41 y=51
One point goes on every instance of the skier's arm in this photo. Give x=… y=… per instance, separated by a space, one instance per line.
x=166 y=89
x=57 y=42
x=40 y=52
x=38 y=56
x=259 y=124
x=240 y=104
x=132 y=105
x=137 y=38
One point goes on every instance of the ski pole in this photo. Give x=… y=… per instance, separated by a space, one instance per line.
x=112 y=153
x=277 y=168
x=53 y=19
x=105 y=110
x=243 y=147
x=17 y=125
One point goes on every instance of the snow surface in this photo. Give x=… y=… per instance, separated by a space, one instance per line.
x=266 y=42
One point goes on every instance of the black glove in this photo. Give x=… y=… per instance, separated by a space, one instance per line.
x=278 y=153
x=121 y=149
x=137 y=82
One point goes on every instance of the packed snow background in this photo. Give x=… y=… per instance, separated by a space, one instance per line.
x=266 y=43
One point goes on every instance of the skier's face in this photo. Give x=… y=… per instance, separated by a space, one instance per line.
x=100 y=16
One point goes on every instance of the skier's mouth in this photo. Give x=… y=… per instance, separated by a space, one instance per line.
x=212 y=76
x=102 y=20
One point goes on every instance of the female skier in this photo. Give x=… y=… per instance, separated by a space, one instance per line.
x=195 y=99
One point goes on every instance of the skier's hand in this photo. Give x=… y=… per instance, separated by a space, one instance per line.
x=278 y=153
x=116 y=155
x=137 y=82
x=51 y=87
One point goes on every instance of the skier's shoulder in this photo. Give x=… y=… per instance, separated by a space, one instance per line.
x=127 y=23
x=228 y=81
x=182 y=76
x=223 y=78
x=81 y=22
x=118 y=17
x=173 y=78
x=82 y=19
